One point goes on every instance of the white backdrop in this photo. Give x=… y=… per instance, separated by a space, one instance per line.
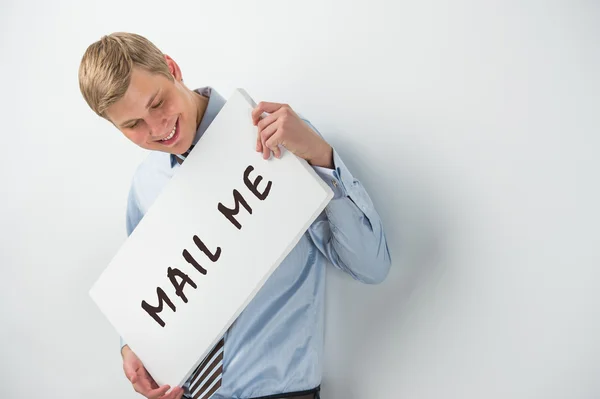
x=474 y=127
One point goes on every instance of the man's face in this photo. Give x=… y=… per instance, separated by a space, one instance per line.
x=155 y=113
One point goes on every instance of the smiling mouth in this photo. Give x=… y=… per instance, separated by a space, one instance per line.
x=172 y=135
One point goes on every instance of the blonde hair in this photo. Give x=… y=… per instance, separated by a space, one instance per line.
x=106 y=66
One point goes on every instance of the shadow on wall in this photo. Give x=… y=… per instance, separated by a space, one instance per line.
x=361 y=317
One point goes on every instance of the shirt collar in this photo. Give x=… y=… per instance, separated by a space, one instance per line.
x=215 y=104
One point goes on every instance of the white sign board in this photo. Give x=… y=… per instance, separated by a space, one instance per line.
x=193 y=238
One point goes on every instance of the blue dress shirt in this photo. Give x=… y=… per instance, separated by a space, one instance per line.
x=276 y=344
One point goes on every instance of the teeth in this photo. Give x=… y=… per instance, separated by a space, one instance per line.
x=170 y=136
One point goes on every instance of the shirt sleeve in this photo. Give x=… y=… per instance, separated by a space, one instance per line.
x=350 y=232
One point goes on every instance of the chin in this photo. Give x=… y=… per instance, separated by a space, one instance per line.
x=186 y=143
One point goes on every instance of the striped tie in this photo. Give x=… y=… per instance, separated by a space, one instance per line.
x=206 y=379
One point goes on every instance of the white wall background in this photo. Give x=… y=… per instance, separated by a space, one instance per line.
x=474 y=125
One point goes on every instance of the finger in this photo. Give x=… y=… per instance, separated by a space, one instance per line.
x=266 y=135
x=256 y=112
x=258 y=143
x=157 y=393
x=266 y=122
x=264 y=106
x=176 y=393
x=273 y=144
x=258 y=115
x=261 y=126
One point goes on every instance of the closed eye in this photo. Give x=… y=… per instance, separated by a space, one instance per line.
x=158 y=105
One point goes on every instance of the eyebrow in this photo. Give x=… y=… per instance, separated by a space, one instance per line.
x=124 y=124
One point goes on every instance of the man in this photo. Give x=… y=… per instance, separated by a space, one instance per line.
x=274 y=348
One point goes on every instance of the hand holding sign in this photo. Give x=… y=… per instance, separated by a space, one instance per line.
x=284 y=127
x=142 y=382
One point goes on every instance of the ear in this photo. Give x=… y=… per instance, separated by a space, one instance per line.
x=174 y=68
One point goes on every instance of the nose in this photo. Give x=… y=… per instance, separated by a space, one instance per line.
x=157 y=124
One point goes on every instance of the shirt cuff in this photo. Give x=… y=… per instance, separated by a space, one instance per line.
x=333 y=178
x=341 y=181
